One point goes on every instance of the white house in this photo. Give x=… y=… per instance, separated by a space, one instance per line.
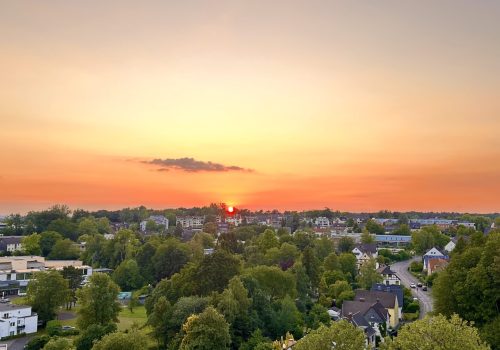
x=450 y=246
x=192 y=222
x=157 y=219
x=389 y=277
x=432 y=254
x=17 y=319
x=321 y=222
x=365 y=252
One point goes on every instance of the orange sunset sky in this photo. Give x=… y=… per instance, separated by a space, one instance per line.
x=354 y=105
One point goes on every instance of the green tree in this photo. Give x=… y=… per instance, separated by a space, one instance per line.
x=74 y=277
x=47 y=241
x=65 y=227
x=87 y=226
x=272 y=280
x=133 y=340
x=47 y=291
x=59 y=344
x=367 y=238
x=31 y=244
x=98 y=301
x=331 y=262
x=368 y=274
x=437 y=333
x=286 y=318
x=64 y=249
x=348 y=265
x=127 y=275
x=267 y=240
x=159 y=320
x=339 y=336
x=169 y=258
x=215 y=271
x=346 y=244
x=312 y=266
x=374 y=227
x=91 y=334
x=206 y=331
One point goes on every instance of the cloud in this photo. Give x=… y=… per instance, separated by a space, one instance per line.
x=192 y=165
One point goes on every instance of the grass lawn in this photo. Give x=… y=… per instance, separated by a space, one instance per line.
x=128 y=318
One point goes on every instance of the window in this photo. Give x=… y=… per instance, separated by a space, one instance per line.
x=11 y=332
x=5 y=315
x=8 y=277
x=12 y=324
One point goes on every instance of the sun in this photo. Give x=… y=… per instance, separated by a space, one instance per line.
x=230 y=209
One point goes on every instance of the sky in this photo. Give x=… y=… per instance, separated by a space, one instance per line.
x=351 y=105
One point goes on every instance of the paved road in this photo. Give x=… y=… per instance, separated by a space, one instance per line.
x=425 y=298
x=17 y=344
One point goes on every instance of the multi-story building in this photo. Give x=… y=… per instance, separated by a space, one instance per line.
x=159 y=220
x=16 y=271
x=191 y=222
x=322 y=222
x=17 y=319
x=10 y=243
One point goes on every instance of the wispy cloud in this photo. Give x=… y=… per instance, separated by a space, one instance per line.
x=192 y=165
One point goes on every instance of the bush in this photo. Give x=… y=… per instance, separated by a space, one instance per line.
x=53 y=328
x=413 y=307
x=416 y=266
x=37 y=343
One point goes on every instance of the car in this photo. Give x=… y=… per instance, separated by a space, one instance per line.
x=67 y=328
x=413 y=285
x=424 y=288
x=415 y=299
x=419 y=285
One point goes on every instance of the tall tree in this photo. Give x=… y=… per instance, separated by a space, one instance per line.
x=169 y=258
x=47 y=291
x=368 y=274
x=31 y=244
x=74 y=277
x=206 y=331
x=98 y=301
x=437 y=333
x=127 y=275
x=134 y=340
x=339 y=336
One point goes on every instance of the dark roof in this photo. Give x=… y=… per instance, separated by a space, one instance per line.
x=388 y=300
x=367 y=248
x=394 y=289
x=385 y=270
x=11 y=307
x=5 y=240
x=365 y=309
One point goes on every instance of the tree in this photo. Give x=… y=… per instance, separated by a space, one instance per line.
x=437 y=333
x=145 y=263
x=286 y=318
x=210 y=227
x=374 y=227
x=206 y=331
x=65 y=227
x=31 y=244
x=340 y=291
x=91 y=334
x=428 y=237
x=47 y=291
x=215 y=271
x=272 y=280
x=97 y=301
x=331 y=262
x=128 y=276
x=133 y=340
x=367 y=238
x=368 y=274
x=87 y=226
x=159 y=320
x=346 y=244
x=348 y=265
x=47 y=241
x=59 y=344
x=340 y=335
x=312 y=265
x=64 y=249
x=169 y=258
x=267 y=240
x=74 y=278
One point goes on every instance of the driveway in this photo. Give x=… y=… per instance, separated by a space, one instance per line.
x=17 y=344
x=425 y=298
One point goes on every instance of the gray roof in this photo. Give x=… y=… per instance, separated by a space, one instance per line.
x=11 y=307
x=367 y=248
x=392 y=288
x=388 y=300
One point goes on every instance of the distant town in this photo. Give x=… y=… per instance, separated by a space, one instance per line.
x=265 y=280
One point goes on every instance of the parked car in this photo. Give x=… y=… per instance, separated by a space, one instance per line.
x=413 y=285
x=419 y=285
x=424 y=288
x=67 y=328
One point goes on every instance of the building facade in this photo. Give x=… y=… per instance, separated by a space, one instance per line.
x=17 y=319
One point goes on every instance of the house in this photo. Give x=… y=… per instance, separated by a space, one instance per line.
x=432 y=254
x=395 y=289
x=191 y=222
x=10 y=243
x=392 y=240
x=388 y=300
x=364 y=252
x=16 y=271
x=371 y=317
x=159 y=220
x=322 y=222
x=436 y=265
x=17 y=319
x=450 y=246
x=388 y=276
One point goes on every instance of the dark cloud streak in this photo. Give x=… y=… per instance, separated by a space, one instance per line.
x=192 y=165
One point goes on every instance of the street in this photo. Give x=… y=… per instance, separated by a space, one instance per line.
x=425 y=298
